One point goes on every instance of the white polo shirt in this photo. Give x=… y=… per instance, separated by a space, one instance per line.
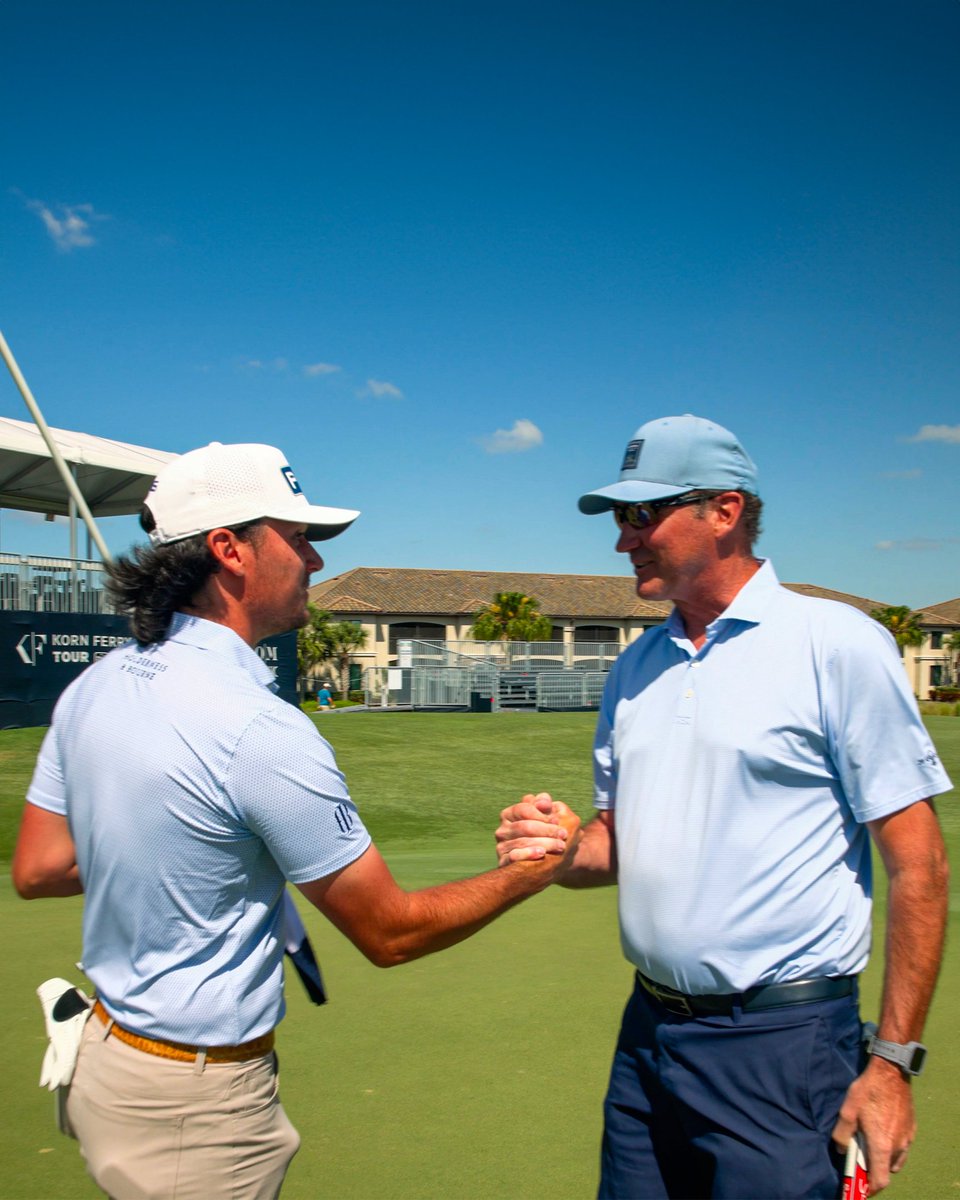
x=741 y=777
x=192 y=793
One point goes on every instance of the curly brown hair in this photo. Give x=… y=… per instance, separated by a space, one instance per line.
x=151 y=583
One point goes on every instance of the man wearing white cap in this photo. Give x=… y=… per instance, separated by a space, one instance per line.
x=179 y=794
x=746 y=752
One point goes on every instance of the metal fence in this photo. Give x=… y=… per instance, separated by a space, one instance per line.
x=30 y=583
x=518 y=656
x=482 y=688
x=448 y=687
x=559 y=691
x=430 y=687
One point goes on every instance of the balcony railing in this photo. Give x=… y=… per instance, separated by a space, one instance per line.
x=33 y=583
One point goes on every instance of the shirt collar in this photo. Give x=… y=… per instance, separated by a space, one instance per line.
x=753 y=599
x=748 y=605
x=222 y=640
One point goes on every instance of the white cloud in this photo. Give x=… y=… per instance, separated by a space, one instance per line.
x=523 y=436
x=937 y=433
x=919 y=545
x=380 y=388
x=257 y=364
x=312 y=370
x=69 y=225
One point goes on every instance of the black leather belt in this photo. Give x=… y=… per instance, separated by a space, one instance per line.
x=771 y=995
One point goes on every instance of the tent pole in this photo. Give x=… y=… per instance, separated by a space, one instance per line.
x=68 y=479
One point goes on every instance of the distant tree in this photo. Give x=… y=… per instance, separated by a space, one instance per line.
x=511 y=617
x=902 y=623
x=313 y=641
x=343 y=640
x=952 y=643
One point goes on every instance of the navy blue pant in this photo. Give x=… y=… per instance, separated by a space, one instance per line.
x=736 y=1107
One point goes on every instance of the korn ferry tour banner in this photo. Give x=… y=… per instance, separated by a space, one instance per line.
x=40 y=653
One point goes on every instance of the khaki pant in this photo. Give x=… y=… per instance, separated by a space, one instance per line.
x=154 y=1129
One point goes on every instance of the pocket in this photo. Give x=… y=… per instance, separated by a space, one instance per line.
x=833 y=1064
x=259 y=1085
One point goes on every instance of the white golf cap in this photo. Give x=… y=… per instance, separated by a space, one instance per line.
x=220 y=485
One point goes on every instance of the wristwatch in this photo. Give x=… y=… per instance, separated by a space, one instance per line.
x=909 y=1058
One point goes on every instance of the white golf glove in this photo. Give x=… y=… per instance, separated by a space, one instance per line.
x=65 y=1012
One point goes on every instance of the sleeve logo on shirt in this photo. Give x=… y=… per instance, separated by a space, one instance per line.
x=632 y=456
x=929 y=760
x=343 y=817
x=291 y=479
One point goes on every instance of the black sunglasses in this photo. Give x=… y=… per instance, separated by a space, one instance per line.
x=647 y=513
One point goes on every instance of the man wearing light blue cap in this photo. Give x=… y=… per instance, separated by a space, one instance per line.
x=747 y=751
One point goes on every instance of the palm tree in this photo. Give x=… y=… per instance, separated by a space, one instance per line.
x=313 y=642
x=343 y=639
x=952 y=643
x=511 y=617
x=902 y=623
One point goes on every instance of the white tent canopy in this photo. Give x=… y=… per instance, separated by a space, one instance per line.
x=113 y=477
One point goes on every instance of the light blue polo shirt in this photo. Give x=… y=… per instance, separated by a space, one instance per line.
x=741 y=777
x=192 y=793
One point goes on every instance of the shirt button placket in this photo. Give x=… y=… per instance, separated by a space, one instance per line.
x=686 y=706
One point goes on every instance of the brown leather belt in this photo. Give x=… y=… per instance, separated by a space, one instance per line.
x=182 y=1052
x=755 y=999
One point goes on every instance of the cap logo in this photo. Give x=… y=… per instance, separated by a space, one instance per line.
x=291 y=481
x=632 y=456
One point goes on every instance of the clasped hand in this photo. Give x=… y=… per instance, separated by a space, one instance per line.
x=537 y=827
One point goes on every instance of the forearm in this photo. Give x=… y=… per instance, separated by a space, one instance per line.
x=45 y=859
x=595 y=862
x=441 y=916
x=391 y=926
x=917 y=902
x=40 y=885
x=879 y=1103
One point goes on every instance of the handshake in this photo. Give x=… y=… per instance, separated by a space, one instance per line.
x=539 y=831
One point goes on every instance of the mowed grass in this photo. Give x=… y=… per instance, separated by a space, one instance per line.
x=475 y=1073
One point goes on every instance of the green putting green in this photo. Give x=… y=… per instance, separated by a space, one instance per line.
x=475 y=1073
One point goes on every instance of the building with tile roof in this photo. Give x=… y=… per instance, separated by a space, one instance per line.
x=394 y=604
x=950 y=609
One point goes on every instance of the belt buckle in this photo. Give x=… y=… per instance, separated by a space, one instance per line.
x=677 y=1000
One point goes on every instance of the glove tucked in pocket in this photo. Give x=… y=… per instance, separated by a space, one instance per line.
x=65 y=1012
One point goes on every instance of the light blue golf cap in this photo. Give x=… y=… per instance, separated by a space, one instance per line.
x=673 y=455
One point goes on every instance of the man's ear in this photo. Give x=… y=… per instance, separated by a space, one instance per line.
x=728 y=509
x=230 y=552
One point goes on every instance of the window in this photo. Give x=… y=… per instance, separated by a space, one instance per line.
x=596 y=633
x=936 y=640
x=426 y=631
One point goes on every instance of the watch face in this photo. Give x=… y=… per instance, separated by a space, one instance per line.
x=915 y=1065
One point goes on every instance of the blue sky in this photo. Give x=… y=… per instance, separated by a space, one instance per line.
x=449 y=255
